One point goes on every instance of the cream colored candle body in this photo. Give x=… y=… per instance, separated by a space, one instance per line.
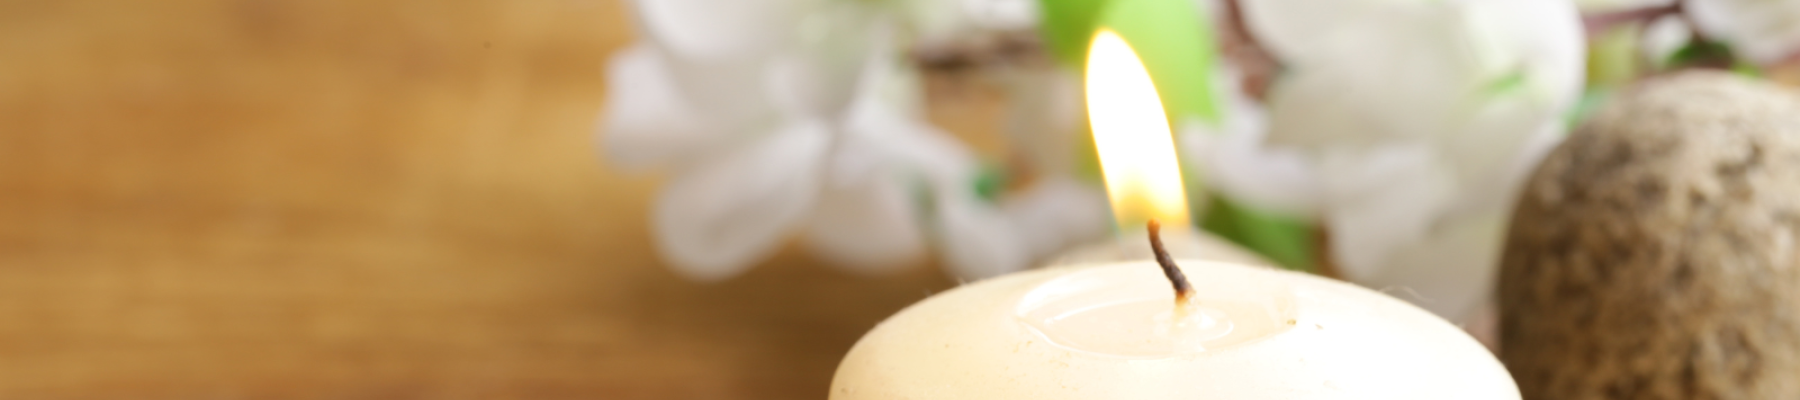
x=1105 y=332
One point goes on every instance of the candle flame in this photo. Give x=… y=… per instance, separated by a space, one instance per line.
x=1137 y=154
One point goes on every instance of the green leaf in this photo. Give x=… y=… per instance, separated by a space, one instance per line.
x=1747 y=70
x=1067 y=25
x=1701 y=53
x=1174 y=39
x=1613 y=58
x=990 y=182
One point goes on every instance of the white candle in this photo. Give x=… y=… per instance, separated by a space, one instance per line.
x=1114 y=331
x=1106 y=332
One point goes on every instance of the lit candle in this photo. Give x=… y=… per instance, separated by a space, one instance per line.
x=1137 y=160
x=1117 y=331
x=1137 y=153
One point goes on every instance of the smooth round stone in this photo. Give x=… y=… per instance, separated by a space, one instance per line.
x=1653 y=255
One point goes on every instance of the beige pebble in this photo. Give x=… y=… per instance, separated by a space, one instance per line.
x=1651 y=255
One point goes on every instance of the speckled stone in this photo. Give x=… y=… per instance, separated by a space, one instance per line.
x=1652 y=255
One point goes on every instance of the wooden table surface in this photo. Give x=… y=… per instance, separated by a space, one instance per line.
x=376 y=199
x=287 y=199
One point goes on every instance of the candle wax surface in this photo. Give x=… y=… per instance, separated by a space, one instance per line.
x=1096 y=313
x=1112 y=331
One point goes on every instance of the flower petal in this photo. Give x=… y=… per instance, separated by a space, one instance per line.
x=866 y=219
x=1242 y=168
x=1541 y=41
x=1056 y=213
x=718 y=52
x=717 y=219
x=886 y=115
x=821 y=75
x=980 y=240
x=1488 y=153
x=850 y=52
x=728 y=93
x=1420 y=116
x=1417 y=70
x=1291 y=28
x=1238 y=163
x=646 y=122
x=1350 y=94
x=869 y=227
x=976 y=239
x=1449 y=272
x=1764 y=31
x=1663 y=37
x=1381 y=199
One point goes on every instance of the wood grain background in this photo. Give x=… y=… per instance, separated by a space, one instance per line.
x=380 y=199
x=286 y=199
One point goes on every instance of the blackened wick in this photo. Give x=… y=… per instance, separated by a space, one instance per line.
x=1182 y=288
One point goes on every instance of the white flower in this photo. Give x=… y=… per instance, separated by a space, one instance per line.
x=1415 y=118
x=798 y=118
x=1236 y=160
x=1662 y=37
x=1763 y=31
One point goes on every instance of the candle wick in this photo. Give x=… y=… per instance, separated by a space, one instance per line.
x=1183 y=290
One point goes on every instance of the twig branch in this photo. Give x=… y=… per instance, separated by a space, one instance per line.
x=1241 y=48
x=1599 y=23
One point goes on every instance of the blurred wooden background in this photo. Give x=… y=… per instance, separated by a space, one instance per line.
x=289 y=199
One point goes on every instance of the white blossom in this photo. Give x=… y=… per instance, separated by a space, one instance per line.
x=1407 y=124
x=1236 y=159
x=1662 y=37
x=1763 y=31
x=799 y=118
